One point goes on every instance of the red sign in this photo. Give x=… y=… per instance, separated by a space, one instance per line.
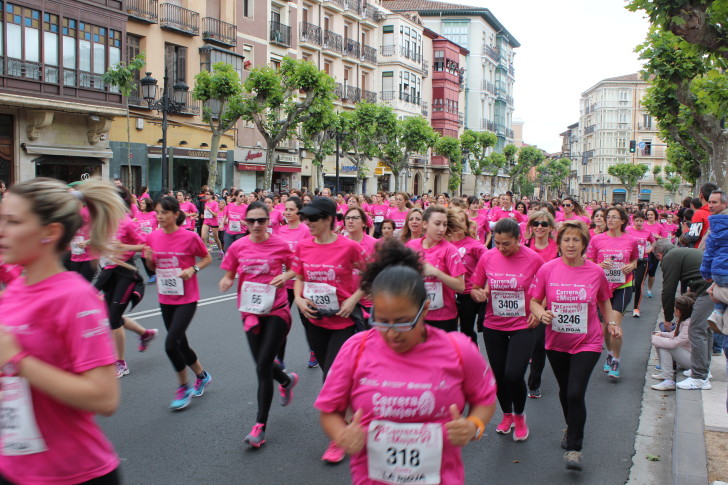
x=261 y=168
x=253 y=155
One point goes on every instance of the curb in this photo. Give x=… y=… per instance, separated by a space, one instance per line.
x=689 y=458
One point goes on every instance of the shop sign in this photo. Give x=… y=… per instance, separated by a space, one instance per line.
x=187 y=153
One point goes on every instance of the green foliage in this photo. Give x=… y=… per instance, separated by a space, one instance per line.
x=478 y=143
x=318 y=136
x=554 y=173
x=123 y=76
x=628 y=173
x=528 y=157
x=672 y=180
x=403 y=138
x=450 y=148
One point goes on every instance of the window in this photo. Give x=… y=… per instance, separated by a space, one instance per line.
x=209 y=56
x=247 y=8
x=456 y=32
x=439 y=60
x=50 y=47
x=175 y=62
x=647 y=149
x=275 y=63
x=327 y=67
x=23 y=35
x=647 y=122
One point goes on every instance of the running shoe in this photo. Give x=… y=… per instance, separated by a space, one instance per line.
x=691 y=384
x=281 y=363
x=201 y=384
x=608 y=364
x=333 y=454
x=121 y=369
x=614 y=370
x=152 y=279
x=636 y=313
x=520 y=432
x=534 y=393
x=256 y=437
x=689 y=373
x=658 y=376
x=182 y=398
x=666 y=385
x=220 y=255
x=572 y=459
x=506 y=424
x=147 y=338
x=649 y=293
x=312 y=362
x=286 y=392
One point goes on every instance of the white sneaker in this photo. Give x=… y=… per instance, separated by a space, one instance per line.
x=658 y=377
x=691 y=384
x=666 y=385
x=689 y=373
x=649 y=294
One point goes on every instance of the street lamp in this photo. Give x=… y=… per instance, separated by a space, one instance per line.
x=166 y=104
x=337 y=135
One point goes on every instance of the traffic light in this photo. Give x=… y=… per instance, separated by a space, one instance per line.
x=632 y=146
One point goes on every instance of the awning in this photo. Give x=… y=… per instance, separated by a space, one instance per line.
x=645 y=191
x=68 y=151
x=247 y=167
x=619 y=191
x=76 y=161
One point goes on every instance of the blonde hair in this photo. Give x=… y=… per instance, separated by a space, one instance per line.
x=577 y=225
x=455 y=224
x=52 y=202
x=538 y=215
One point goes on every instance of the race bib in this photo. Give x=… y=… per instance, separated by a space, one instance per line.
x=508 y=303
x=378 y=219
x=234 y=226
x=18 y=430
x=257 y=298
x=105 y=261
x=434 y=293
x=75 y=248
x=147 y=230
x=641 y=250
x=404 y=452
x=169 y=283
x=614 y=274
x=569 y=317
x=322 y=295
x=208 y=214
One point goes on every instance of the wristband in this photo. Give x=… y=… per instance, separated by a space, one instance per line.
x=612 y=323
x=479 y=425
x=12 y=366
x=196 y=268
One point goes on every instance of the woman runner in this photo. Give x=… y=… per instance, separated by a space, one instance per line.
x=209 y=221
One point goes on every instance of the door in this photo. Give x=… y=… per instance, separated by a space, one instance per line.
x=416 y=190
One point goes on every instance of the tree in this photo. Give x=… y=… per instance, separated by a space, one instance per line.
x=686 y=52
x=628 y=173
x=481 y=164
x=528 y=157
x=672 y=180
x=552 y=174
x=278 y=101
x=221 y=94
x=318 y=135
x=402 y=139
x=509 y=152
x=450 y=148
x=124 y=78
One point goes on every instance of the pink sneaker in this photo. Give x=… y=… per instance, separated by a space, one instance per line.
x=506 y=425
x=521 y=431
x=333 y=454
x=147 y=338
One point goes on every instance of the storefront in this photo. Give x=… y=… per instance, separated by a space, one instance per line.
x=189 y=168
x=645 y=195
x=619 y=195
x=250 y=170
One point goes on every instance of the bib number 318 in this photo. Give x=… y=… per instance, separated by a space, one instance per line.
x=404 y=452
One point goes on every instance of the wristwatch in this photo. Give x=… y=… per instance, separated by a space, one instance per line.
x=196 y=268
x=12 y=366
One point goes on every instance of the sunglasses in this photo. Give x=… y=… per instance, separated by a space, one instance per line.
x=568 y=205
x=397 y=327
x=540 y=224
x=252 y=220
x=314 y=217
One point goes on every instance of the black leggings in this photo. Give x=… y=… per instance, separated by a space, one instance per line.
x=265 y=339
x=149 y=272
x=446 y=325
x=117 y=296
x=176 y=320
x=639 y=277
x=87 y=269
x=111 y=478
x=468 y=310
x=538 y=357
x=652 y=264
x=572 y=372
x=326 y=343
x=508 y=354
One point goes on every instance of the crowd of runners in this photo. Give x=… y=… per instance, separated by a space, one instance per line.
x=389 y=288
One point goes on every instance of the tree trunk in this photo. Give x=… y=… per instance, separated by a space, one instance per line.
x=492 y=185
x=268 y=174
x=396 y=179
x=212 y=161
x=359 y=184
x=128 y=143
x=320 y=177
x=719 y=160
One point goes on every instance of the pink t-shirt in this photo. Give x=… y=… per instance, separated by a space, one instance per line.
x=509 y=278
x=417 y=386
x=211 y=210
x=274 y=221
x=369 y=244
x=127 y=233
x=622 y=250
x=499 y=213
x=575 y=217
x=62 y=322
x=657 y=229
x=481 y=221
x=260 y=263
x=398 y=217
x=83 y=234
x=147 y=222
x=560 y=283
x=445 y=257
x=292 y=237
x=235 y=214
x=470 y=252
x=551 y=251
x=671 y=230
x=8 y=272
x=173 y=253
x=333 y=264
x=379 y=212
x=645 y=239
x=188 y=208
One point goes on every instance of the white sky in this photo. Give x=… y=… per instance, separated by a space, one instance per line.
x=567 y=46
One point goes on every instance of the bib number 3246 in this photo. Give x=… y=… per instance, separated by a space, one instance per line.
x=404 y=452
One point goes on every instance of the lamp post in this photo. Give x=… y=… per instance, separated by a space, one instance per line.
x=165 y=104
x=337 y=135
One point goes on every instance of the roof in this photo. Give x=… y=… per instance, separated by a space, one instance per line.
x=431 y=8
x=435 y=36
x=627 y=78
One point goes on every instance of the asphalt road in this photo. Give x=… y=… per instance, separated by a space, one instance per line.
x=204 y=443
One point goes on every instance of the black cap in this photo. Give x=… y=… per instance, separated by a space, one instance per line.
x=322 y=206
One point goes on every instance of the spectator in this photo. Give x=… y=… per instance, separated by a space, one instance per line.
x=674 y=347
x=715 y=259
x=700 y=222
x=682 y=265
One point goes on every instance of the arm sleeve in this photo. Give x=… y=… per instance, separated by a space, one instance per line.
x=591 y=251
x=454 y=262
x=198 y=246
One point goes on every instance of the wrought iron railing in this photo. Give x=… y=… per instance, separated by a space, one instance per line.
x=218 y=31
x=310 y=33
x=144 y=10
x=179 y=18
x=280 y=33
x=369 y=96
x=491 y=52
x=353 y=94
x=486 y=124
x=388 y=50
x=368 y=54
x=351 y=48
x=333 y=41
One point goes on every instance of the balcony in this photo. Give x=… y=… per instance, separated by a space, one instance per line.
x=339 y=91
x=461 y=118
x=135 y=97
x=371 y=13
x=425 y=68
x=280 y=34
x=333 y=41
x=310 y=33
x=409 y=98
x=353 y=6
x=491 y=52
x=486 y=124
x=144 y=10
x=425 y=111
x=369 y=96
x=368 y=54
x=351 y=48
x=337 y=4
x=586 y=178
x=512 y=71
x=411 y=54
x=215 y=30
x=388 y=95
x=590 y=129
x=509 y=100
x=353 y=94
x=388 y=50
x=489 y=87
x=180 y=19
x=192 y=106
